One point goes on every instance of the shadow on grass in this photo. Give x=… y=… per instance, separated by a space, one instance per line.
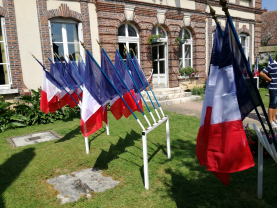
x=191 y=185
x=106 y=157
x=11 y=169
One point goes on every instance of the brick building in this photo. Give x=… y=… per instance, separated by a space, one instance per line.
x=44 y=26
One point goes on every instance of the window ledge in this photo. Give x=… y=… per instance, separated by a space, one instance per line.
x=8 y=91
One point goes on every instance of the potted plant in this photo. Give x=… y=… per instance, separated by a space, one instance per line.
x=181 y=41
x=154 y=37
x=188 y=71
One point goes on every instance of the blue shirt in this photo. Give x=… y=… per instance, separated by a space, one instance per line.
x=271 y=69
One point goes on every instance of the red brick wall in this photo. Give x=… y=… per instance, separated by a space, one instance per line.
x=14 y=52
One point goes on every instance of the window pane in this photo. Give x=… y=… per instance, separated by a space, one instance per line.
x=131 y=31
x=153 y=31
x=72 y=33
x=187 y=51
x=74 y=50
x=133 y=46
x=161 y=52
x=122 y=50
x=242 y=41
x=56 y=30
x=180 y=51
x=2 y=55
x=187 y=62
x=3 y=75
x=121 y=30
x=162 y=67
x=154 y=53
x=155 y=67
x=187 y=34
x=58 y=48
x=181 y=63
x=161 y=31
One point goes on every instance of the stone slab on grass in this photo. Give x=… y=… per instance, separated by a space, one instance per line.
x=33 y=138
x=73 y=186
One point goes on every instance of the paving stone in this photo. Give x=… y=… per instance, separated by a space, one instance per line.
x=33 y=138
x=76 y=184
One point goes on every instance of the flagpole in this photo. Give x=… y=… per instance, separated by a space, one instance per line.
x=125 y=85
x=112 y=85
x=60 y=62
x=68 y=83
x=136 y=85
x=223 y=3
x=128 y=54
x=214 y=16
x=43 y=67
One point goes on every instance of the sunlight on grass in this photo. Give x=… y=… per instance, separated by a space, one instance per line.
x=179 y=182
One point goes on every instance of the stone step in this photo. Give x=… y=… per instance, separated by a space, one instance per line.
x=167 y=96
x=163 y=91
x=176 y=100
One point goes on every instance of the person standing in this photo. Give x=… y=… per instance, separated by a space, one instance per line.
x=271 y=78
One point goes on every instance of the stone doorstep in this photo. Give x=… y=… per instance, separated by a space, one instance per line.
x=169 y=96
x=176 y=101
x=34 y=138
x=162 y=91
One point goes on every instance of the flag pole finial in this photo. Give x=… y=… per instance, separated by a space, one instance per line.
x=83 y=44
x=212 y=12
x=125 y=47
x=33 y=55
x=114 y=45
x=132 y=51
x=99 y=43
x=223 y=3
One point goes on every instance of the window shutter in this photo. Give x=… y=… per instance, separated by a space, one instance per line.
x=247 y=41
x=50 y=36
x=81 y=38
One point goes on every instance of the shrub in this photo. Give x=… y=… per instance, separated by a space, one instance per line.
x=27 y=112
x=198 y=91
x=188 y=71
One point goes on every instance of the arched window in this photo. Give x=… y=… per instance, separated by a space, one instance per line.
x=128 y=35
x=185 y=50
x=245 y=42
x=65 y=38
x=159 y=30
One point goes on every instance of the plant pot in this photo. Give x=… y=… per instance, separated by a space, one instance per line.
x=154 y=40
x=182 y=41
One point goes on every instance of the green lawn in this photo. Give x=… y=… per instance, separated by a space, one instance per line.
x=263 y=92
x=179 y=182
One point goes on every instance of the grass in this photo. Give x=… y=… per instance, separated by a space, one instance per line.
x=179 y=182
x=263 y=92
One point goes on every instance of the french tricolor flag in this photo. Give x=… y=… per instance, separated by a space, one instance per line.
x=92 y=111
x=49 y=101
x=256 y=71
x=227 y=149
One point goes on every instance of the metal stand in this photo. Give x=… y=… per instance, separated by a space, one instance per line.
x=144 y=145
x=86 y=138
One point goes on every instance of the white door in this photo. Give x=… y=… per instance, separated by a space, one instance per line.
x=159 y=64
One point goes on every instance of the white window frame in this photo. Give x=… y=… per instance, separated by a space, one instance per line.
x=188 y=42
x=8 y=66
x=127 y=39
x=247 y=44
x=64 y=36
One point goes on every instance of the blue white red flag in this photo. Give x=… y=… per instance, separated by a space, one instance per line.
x=94 y=99
x=228 y=150
x=270 y=60
x=49 y=90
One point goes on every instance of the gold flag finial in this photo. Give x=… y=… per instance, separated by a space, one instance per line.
x=125 y=47
x=99 y=43
x=83 y=44
x=212 y=12
x=33 y=55
x=132 y=51
x=223 y=3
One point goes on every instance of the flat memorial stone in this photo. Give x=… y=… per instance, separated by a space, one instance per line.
x=33 y=138
x=76 y=184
